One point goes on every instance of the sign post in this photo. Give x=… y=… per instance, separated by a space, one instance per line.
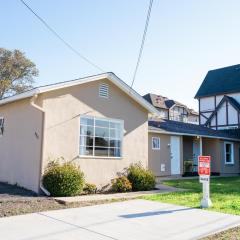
x=204 y=171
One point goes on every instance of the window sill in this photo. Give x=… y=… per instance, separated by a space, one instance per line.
x=99 y=157
x=232 y=163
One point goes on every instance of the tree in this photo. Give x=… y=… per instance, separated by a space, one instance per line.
x=16 y=72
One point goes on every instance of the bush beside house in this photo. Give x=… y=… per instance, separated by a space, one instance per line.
x=141 y=179
x=90 y=188
x=121 y=184
x=64 y=179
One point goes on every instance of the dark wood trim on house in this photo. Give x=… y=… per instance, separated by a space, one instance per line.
x=224 y=99
x=203 y=116
x=238 y=119
x=207 y=111
x=199 y=117
x=227 y=112
x=216 y=116
x=225 y=125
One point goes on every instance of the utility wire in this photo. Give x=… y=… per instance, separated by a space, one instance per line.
x=143 y=41
x=60 y=38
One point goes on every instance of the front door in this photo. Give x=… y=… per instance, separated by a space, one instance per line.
x=175 y=155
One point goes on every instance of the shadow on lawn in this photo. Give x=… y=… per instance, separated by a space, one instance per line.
x=149 y=214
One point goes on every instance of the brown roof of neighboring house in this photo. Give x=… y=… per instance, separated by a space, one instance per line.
x=162 y=102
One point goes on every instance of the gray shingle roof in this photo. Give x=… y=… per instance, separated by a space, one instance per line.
x=192 y=129
x=220 y=81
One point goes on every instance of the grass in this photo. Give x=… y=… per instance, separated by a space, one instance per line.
x=225 y=194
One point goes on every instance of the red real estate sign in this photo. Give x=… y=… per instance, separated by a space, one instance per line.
x=204 y=163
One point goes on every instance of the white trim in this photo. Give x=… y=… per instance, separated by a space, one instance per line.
x=188 y=134
x=110 y=76
x=159 y=141
x=232 y=153
x=121 y=121
x=100 y=157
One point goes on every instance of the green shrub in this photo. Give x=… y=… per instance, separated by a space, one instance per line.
x=188 y=166
x=140 y=178
x=121 y=184
x=90 y=188
x=64 y=179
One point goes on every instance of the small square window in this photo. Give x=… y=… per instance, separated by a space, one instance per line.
x=103 y=90
x=156 y=143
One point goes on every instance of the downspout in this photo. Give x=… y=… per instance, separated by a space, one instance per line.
x=33 y=104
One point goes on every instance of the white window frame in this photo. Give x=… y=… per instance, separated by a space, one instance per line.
x=107 y=119
x=159 y=143
x=232 y=153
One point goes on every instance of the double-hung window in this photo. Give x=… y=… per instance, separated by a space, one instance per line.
x=228 y=153
x=100 y=137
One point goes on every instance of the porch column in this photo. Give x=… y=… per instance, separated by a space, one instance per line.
x=200 y=146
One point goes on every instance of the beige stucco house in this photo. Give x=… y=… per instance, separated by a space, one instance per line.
x=98 y=122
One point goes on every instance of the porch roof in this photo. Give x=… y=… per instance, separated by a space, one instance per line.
x=180 y=128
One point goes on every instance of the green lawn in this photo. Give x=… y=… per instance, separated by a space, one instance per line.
x=225 y=194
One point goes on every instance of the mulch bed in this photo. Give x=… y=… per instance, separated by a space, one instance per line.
x=15 y=200
x=231 y=234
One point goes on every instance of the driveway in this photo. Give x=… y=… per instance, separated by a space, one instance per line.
x=134 y=219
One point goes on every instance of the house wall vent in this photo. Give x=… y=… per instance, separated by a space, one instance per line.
x=103 y=90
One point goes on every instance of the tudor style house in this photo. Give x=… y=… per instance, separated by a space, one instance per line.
x=171 y=109
x=174 y=146
x=219 y=98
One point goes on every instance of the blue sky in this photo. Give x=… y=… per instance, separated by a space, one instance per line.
x=185 y=39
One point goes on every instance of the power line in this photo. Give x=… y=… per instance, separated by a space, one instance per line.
x=143 y=41
x=59 y=37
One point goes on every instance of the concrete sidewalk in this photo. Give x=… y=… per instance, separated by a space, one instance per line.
x=128 y=220
x=130 y=195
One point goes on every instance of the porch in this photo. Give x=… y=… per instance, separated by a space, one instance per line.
x=193 y=146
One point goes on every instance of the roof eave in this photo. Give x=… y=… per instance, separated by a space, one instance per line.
x=109 y=75
x=189 y=134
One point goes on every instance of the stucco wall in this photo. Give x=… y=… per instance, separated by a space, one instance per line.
x=63 y=108
x=20 y=145
x=162 y=156
x=211 y=147
x=158 y=157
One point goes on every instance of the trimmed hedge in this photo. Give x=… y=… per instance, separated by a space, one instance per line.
x=63 y=180
x=141 y=179
x=121 y=184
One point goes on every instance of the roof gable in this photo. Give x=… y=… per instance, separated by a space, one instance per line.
x=220 y=81
x=110 y=76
